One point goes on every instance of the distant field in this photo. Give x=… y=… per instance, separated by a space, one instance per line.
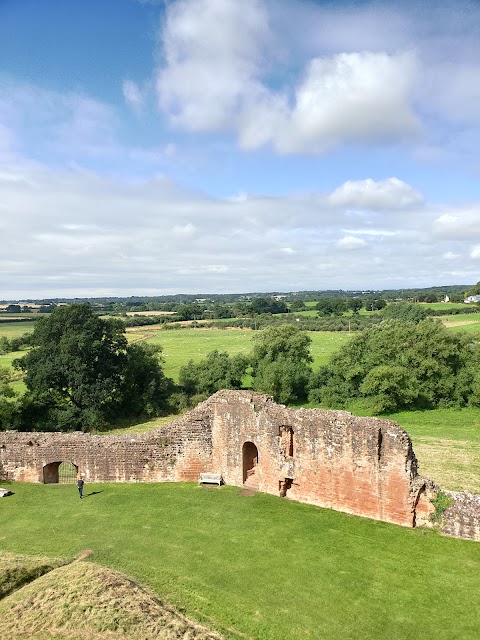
x=257 y=567
x=15 y=329
x=442 y=306
x=447 y=445
x=182 y=345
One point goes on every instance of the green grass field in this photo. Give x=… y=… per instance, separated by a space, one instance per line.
x=15 y=329
x=447 y=445
x=258 y=567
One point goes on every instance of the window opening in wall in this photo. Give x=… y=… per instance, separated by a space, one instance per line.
x=287 y=440
x=284 y=486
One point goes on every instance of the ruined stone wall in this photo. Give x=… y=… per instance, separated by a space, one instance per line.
x=332 y=459
x=177 y=452
x=462 y=518
x=362 y=466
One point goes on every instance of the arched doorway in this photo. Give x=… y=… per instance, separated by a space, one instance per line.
x=60 y=473
x=250 y=464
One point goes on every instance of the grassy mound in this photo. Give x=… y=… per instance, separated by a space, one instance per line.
x=15 y=570
x=83 y=601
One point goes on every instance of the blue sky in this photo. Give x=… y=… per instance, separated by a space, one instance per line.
x=219 y=146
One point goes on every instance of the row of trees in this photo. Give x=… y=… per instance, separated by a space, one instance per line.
x=82 y=374
x=398 y=364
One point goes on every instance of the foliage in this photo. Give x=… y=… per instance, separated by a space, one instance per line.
x=80 y=373
x=403 y=364
x=374 y=304
x=331 y=306
x=441 y=502
x=217 y=371
x=298 y=305
x=405 y=311
x=281 y=362
x=267 y=305
x=354 y=304
x=8 y=404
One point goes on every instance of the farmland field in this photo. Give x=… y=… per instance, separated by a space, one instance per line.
x=15 y=329
x=257 y=566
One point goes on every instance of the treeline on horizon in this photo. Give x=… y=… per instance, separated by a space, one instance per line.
x=390 y=295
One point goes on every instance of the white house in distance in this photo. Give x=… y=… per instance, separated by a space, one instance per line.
x=472 y=299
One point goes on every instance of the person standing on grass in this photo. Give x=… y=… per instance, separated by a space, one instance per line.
x=80 y=483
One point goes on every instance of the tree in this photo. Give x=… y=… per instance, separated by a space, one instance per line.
x=267 y=305
x=298 y=305
x=331 y=306
x=355 y=304
x=372 y=304
x=8 y=404
x=402 y=364
x=81 y=373
x=217 y=371
x=406 y=311
x=281 y=362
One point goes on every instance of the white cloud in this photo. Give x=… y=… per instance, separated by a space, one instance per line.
x=450 y=255
x=391 y=193
x=216 y=79
x=78 y=233
x=351 y=96
x=462 y=223
x=133 y=95
x=210 y=70
x=351 y=243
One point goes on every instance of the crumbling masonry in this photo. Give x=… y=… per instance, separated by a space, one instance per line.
x=362 y=466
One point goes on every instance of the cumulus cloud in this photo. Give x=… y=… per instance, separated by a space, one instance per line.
x=213 y=55
x=391 y=193
x=351 y=96
x=214 y=79
x=462 y=223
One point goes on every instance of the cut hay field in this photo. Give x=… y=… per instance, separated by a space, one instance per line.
x=256 y=567
x=447 y=445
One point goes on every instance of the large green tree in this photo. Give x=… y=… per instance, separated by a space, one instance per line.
x=217 y=371
x=81 y=373
x=402 y=364
x=281 y=362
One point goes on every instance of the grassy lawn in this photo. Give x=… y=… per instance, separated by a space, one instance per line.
x=258 y=567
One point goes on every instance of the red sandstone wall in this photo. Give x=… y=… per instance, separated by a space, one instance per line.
x=357 y=465
x=177 y=452
x=363 y=466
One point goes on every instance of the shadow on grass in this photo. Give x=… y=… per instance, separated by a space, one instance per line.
x=93 y=493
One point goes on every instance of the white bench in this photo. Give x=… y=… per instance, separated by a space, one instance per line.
x=210 y=478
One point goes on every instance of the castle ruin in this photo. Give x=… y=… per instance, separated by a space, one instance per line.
x=361 y=466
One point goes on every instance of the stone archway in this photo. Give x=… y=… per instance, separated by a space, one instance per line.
x=62 y=472
x=250 y=464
